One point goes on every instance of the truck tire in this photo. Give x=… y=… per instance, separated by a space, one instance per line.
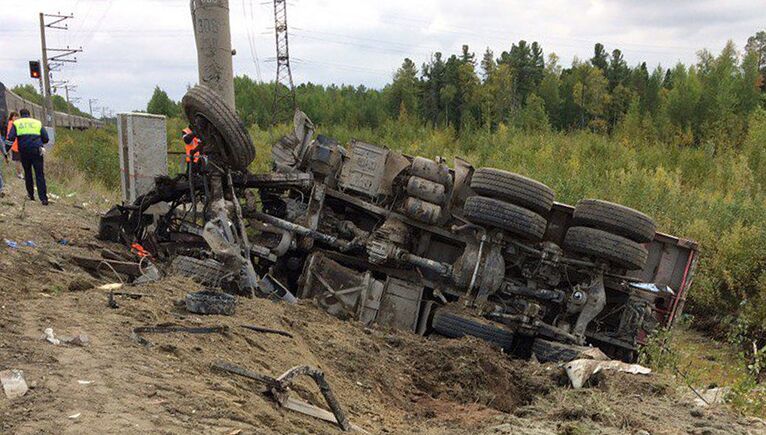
x=512 y=218
x=513 y=188
x=614 y=218
x=455 y=326
x=223 y=134
x=616 y=250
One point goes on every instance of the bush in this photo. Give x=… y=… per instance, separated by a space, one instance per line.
x=93 y=152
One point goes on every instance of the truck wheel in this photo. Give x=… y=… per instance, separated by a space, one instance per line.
x=455 y=326
x=513 y=188
x=222 y=133
x=613 y=249
x=614 y=218
x=498 y=214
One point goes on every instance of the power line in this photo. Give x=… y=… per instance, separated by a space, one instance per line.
x=284 y=89
x=251 y=39
x=59 y=58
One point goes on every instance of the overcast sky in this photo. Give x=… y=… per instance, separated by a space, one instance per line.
x=132 y=45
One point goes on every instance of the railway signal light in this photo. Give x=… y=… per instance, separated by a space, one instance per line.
x=34 y=69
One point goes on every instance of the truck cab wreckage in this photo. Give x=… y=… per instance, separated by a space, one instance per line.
x=408 y=242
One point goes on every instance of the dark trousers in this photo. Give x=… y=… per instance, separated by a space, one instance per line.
x=30 y=160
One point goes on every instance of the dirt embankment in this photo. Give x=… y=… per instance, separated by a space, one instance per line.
x=387 y=381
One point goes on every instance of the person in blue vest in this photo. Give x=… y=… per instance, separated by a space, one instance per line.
x=32 y=138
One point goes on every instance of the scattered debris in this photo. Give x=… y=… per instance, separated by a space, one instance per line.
x=30 y=244
x=267 y=330
x=163 y=329
x=111 y=287
x=130 y=295
x=149 y=273
x=11 y=244
x=271 y=287
x=166 y=329
x=75 y=416
x=546 y=351
x=98 y=265
x=580 y=370
x=48 y=335
x=211 y=302
x=712 y=396
x=81 y=382
x=14 y=384
x=77 y=340
x=280 y=390
x=110 y=302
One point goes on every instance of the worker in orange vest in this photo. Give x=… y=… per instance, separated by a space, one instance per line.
x=15 y=156
x=191 y=144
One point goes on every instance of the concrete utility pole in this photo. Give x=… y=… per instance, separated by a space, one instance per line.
x=284 y=89
x=57 y=59
x=90 y=105
x=212 y=35
x=67 y=88
x=48 y=104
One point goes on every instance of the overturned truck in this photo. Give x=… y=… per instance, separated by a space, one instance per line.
x=409 y=242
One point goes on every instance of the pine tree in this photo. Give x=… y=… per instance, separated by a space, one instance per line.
x=488 y=64
x=600 y=57
x=403 y=90
x=161 y=104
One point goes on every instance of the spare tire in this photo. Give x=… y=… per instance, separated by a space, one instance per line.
x=498 y=214
x=455 y=326
x=613 y=249
x=513 y=188
x=614 y=218
x=223 y=134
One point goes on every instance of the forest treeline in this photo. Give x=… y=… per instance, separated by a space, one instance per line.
x=705 y=103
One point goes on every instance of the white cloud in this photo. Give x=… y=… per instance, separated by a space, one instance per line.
x=132 y=45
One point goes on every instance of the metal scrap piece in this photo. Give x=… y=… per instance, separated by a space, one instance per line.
x=280 y=390
x=267 y=330
x=163 y=329
x=173 y=328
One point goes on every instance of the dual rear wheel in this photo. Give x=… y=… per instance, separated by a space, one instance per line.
x=600 y=230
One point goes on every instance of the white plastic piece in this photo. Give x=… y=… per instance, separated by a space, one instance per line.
x=580 y=370
x=13 y=382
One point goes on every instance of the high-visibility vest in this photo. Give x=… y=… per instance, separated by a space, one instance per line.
x=28 y=127
x=191 y=147
x=15 y=147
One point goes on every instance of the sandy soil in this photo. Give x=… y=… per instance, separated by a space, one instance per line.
x=387 y=381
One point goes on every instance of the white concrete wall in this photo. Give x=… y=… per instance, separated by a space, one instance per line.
x=143 y=152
